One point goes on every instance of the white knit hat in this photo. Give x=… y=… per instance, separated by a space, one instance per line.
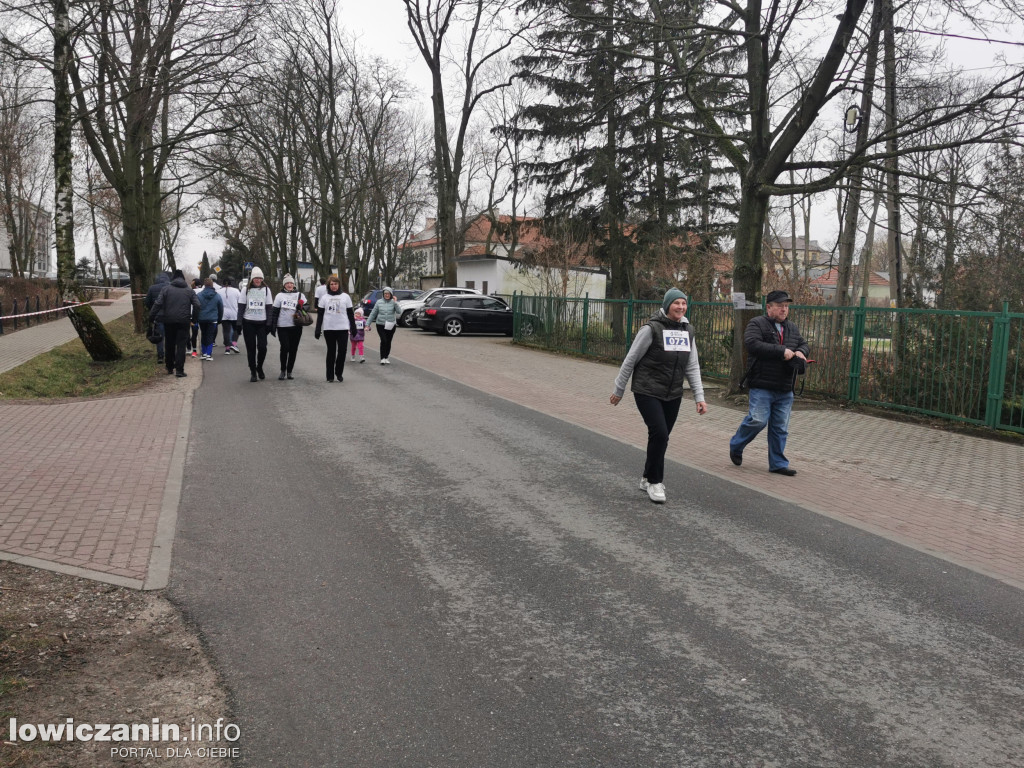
x=256 y=272
x=287 y=279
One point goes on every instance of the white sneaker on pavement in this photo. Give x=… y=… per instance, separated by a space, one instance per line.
x=656 y=491
x=644 y=485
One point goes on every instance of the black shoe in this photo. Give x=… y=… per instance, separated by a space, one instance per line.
x=290 y=376
x=737 y=458
x=181 y=374
x=170 y=371
x=787 y=471
x=159 y=361
x=261 y=374
x=330 y=381
x=253 y=377
x=282 y=376
x=341 y=379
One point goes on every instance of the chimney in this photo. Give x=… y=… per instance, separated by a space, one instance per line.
x=431 y=222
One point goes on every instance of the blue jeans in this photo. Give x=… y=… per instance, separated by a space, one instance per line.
x=767 y=409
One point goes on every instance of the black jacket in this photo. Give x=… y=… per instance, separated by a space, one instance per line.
x=177 y=303
x=162 y=281
x=767 y=367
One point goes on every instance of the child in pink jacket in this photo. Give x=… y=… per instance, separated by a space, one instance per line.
x=358 y=334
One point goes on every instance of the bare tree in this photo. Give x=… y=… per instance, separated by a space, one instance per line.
x=149 y=80
x=436 y=27
x=785 y=92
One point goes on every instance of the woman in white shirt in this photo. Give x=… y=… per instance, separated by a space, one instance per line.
x=334 y=319
x=255 y=310
x=288 y=333
x=231 y=297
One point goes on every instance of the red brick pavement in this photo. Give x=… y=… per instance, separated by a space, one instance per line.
x=957 y=497
x=83 y=483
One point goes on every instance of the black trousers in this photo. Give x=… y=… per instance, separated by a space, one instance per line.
x=175 y=336
x=337 y=344
x=659 y=416
x=255 y=334
x=289 y=338
x=385 y=340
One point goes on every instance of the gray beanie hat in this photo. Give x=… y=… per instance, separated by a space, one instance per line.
x=671 y=295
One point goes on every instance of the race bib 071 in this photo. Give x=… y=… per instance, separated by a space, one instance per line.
x=676 y=341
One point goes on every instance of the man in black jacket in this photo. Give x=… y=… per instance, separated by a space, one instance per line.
x=777 y=353
x=163 y=279
x=176 y=307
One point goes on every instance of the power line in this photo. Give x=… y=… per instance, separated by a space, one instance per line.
x=960 y=37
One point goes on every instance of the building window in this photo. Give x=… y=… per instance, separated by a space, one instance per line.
x=471 y=283
x=483 y=288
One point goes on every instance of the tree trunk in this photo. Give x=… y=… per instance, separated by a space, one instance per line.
x=98 y=343
x=747 y=273
x=848 y=237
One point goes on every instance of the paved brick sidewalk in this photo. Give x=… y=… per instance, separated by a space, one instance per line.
x=91 y=487
x=957 y=497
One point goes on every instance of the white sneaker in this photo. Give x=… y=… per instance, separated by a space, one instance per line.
x=656 y=491
x=386 y=361
x=644 y=485
x=353 y=358
x=227 y=351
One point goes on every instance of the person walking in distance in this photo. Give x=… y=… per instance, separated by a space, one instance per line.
x=776 y=354
x=163 y=279
x=358 y=335
x=334 y=319
x=211 y=312
x=254 y=309
x=231 y=297
x=385 y=314
x=288 y=333
x=660 y=358
x=193 y=338
x=177 y=307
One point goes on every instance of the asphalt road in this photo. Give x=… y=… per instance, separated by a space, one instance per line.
x=401 y=571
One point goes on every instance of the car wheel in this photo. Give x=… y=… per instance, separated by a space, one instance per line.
x=527 y=328
x=453 y=326
x=406 y=319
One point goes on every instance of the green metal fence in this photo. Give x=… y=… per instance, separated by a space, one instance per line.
x=965 y=366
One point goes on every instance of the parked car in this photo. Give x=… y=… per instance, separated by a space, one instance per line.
x=456 y=315
x=401 y=294
x=409 y=306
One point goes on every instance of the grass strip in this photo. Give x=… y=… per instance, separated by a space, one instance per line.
x=68 y=371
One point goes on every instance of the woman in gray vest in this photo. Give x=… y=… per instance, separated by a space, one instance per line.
x=661 y=357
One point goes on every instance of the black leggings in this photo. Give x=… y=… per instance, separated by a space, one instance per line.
x=385 y=340
x=255 y=334
x=337 y=346
x=289 y=338
x=660 y=417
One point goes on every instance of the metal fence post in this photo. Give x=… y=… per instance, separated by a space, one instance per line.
x=997 y=366
x=1 y=318
x=15 y=313
x=586 y=323
x=629 y=323
x=857 y=350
